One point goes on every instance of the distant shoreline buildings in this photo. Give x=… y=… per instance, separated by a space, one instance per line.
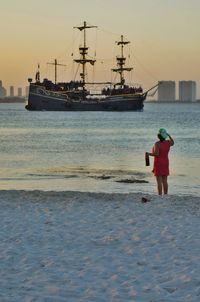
x=166 y=91
x=187 y=91
x=20 y=92
x=2 y=91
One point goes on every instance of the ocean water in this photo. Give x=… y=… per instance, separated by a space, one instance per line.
x=97 y=151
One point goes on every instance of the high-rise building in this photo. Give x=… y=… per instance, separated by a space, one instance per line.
x=166 y=91
x=11 y=91
x=187 y=91
x=19 y=92
x=2 y=91
x=26 y=91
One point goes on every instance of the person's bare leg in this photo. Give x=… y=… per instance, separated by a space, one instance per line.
x=165 y=184
x=159 y=184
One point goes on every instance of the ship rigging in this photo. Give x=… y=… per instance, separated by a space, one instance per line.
x=74 y=95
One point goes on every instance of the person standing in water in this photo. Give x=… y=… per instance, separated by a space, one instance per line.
x=161 y=161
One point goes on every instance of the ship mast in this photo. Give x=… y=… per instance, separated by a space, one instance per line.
x=83 y=50
x=121 y=62
x=55 y=65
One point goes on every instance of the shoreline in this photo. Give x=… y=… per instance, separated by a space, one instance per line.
x=172 y=102
x=10 y=100
x=110 y=196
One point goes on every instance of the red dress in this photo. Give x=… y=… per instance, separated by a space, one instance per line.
x=161 y=162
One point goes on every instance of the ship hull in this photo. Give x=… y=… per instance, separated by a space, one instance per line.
x=43 y=100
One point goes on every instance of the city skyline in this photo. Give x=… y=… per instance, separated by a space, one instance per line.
x=13 y=91
x=164 y=38
x=183 y=91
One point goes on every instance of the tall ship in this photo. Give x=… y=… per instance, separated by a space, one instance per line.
x=75 y=95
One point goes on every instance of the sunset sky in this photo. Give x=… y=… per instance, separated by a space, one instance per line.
x=164 y=35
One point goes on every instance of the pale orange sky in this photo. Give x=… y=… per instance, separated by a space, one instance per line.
x=164 y=37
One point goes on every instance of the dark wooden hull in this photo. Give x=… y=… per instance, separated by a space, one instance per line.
x=40 y=99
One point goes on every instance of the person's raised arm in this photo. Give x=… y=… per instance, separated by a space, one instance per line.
x=171 y=141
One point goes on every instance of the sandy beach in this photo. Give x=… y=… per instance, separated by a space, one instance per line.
x=73 y=246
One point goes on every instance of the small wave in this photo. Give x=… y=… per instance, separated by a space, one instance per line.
x=44 y=176
x=103 y=177
x=131 y=181
x=96 y=174
x=88 y=170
